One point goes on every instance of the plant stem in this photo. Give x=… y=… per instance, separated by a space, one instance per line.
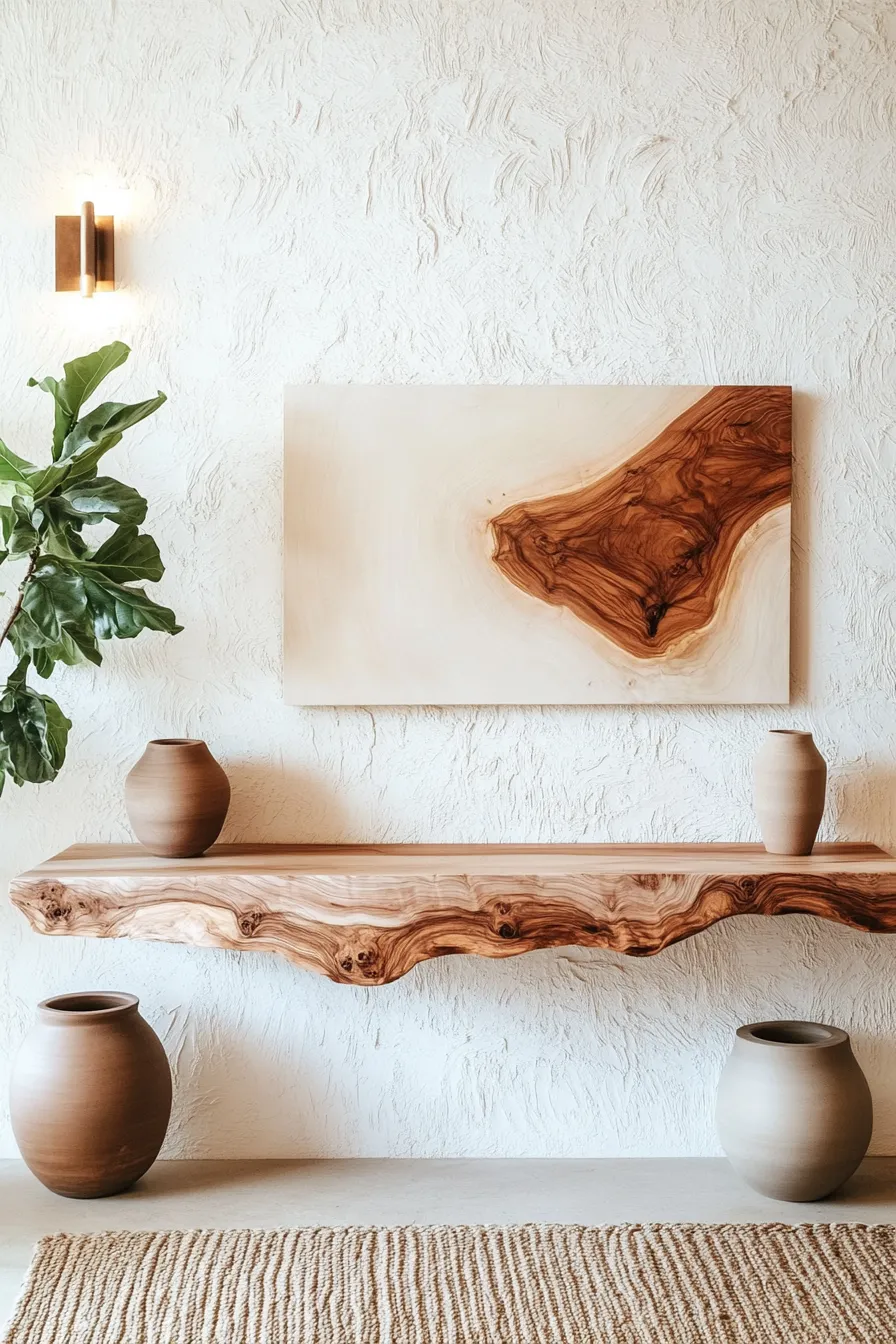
x=32 y=561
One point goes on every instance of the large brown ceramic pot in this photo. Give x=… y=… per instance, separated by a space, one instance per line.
x=790 y=779
x=90 y=1097
x=794 y=1110
x=177 y=797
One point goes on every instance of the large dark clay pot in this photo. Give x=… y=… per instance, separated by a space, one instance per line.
x=90 y=1097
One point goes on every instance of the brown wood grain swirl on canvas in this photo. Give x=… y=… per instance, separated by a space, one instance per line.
x=361 y=930
x=643 y=554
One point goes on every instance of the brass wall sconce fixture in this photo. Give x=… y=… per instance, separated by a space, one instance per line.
x=85 y=251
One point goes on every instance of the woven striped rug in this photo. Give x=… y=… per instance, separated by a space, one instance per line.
x=685 y=1284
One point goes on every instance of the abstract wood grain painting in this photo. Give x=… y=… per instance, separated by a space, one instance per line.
x=537 y=545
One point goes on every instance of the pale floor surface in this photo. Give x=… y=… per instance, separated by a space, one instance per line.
x=290 y=1193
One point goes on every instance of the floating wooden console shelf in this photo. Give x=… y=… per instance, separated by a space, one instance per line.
x=365 y=915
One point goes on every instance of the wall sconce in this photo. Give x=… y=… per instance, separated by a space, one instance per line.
x=85 y=251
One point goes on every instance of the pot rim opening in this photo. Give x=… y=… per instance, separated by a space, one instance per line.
x=789 y=732
x=793 y=1035
x=176 y=742
x=87 y=1005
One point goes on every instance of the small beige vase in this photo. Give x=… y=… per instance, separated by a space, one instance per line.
x=177 y=797
x=790 y=777
x=794 y=1110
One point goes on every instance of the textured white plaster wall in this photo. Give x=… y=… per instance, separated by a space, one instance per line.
x=567 y=191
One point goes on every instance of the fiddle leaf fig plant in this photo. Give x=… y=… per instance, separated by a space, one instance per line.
x=75 y=590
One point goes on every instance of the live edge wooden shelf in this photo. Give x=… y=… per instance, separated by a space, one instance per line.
x=365 y=915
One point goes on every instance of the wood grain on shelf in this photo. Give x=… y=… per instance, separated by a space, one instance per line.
x=643 y=554
x=365 y=915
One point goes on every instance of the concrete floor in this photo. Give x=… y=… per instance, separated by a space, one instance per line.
x=289 y=1193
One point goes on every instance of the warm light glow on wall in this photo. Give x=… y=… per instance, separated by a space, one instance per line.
x=109 y=197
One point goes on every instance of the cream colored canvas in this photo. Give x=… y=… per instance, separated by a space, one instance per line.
x=536 y=545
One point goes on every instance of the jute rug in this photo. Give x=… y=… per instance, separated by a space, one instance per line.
x=685 y=1284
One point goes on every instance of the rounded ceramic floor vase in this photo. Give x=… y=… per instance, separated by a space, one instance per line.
x=90 y=1097
x=794 y=1110
x=790 y=777
x=177 y=797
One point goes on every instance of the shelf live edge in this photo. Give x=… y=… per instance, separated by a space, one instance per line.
x=366 y=915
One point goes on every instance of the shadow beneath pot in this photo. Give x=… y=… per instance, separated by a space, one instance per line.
x=280 y=805
x=195 y=1176
x=863 y=801
x=874 y=1183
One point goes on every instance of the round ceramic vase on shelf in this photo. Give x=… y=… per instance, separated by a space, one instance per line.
x=794 y=1110
x=177 y=797
x=90 y=1096
x=790 y=779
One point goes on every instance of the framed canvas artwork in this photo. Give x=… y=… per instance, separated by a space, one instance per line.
x=536 y=545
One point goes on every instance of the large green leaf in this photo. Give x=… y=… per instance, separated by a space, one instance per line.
x=64 y=418
x=84 y=466
x=82 y=377
x=76 y=644
x=101 y=429
x=33 y=731
x=19 y=532
x=101 y=499
x=54 y=597
x=13 y=474
x=16 y=680
x=120 y=612
x=44 y=480
x=62 y=536
x=84 y=374
x=25 y=636
x=58 y=729
x=43 y=662
x=126 y=556
x=13 y=467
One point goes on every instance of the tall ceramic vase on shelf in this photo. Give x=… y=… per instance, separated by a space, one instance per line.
x=90 y=1096
x=794 y=1111
x=790 y=779
x=177 y=797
